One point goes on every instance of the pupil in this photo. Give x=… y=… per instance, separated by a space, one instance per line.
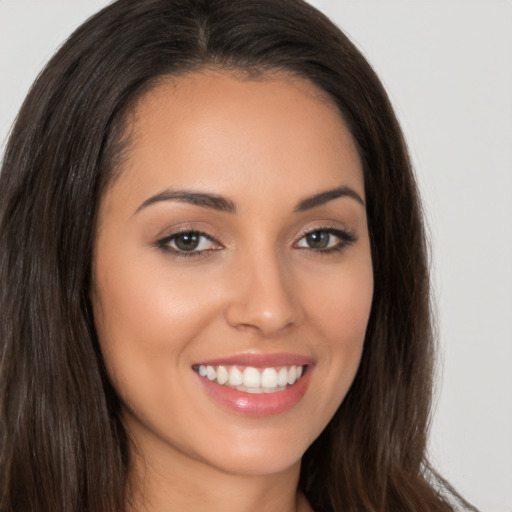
x=318 y=240
x=187 y=241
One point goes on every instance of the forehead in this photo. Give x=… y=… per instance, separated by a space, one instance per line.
x=215 y=130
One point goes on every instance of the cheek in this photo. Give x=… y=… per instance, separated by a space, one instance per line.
x=146 y=315
x=142 y=294
x=340 y=302
x=148 y=320
x=339 y=309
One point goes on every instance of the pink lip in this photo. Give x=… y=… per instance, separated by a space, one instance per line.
x=259 y=360
x=263 y=404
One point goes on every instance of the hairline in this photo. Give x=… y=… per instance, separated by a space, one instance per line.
x=121 y=138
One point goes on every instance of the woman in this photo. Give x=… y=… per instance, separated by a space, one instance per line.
x=215 y=289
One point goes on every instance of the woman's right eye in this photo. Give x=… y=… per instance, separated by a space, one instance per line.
x=188 y=243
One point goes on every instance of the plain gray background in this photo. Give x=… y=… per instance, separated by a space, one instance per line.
x=447 y=65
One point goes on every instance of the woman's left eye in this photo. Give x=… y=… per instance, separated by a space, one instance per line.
x=188 y=243
x=326 y=240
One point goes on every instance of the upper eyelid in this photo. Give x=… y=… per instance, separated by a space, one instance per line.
x=345 y=236
x=187 y=231
x=171 y=236
x=329 y=229
x=173 y=232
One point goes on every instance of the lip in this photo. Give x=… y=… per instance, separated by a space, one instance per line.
x=261 y=404
x=260 y=360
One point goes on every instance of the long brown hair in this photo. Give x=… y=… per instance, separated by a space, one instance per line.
x=62 y=445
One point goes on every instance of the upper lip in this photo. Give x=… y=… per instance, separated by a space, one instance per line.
x=257 y=360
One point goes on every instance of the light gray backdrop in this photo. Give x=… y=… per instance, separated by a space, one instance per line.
x=447 y=65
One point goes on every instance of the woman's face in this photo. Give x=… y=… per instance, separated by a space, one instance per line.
x=232 y=255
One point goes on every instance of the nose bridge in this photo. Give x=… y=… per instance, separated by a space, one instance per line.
x=263 y=295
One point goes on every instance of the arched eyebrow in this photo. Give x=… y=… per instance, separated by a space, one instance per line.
x=328 y=195
x=204 y=200
x=223 y=204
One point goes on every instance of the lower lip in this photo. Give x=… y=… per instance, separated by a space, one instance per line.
x=258 y=404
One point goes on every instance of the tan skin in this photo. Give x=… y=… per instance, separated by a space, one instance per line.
x=265 y=277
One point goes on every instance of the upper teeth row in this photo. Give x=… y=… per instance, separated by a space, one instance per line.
x=251 y=377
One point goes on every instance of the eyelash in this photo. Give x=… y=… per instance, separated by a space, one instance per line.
x=164 y=243
x=346 y=238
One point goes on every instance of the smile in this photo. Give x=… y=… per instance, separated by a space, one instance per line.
x=256 y=384
x=250 y=379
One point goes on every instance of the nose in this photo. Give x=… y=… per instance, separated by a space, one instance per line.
x=264 y=297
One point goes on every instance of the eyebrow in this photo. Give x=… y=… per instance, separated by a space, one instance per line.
x=326 y=196
x=219 y=203
x=201 y=199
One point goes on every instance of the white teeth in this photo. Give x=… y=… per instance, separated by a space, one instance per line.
x=282 y=377
x=211 y=374
x=292 y=375
x=252 y=377
x=269 y=378
x=252 y=380
x=235 y=377
x=253 y=390
x=222 y=375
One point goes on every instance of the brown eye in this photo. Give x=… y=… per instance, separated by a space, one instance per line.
x=318 y=239
x=325 y=240
x=188 y=243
